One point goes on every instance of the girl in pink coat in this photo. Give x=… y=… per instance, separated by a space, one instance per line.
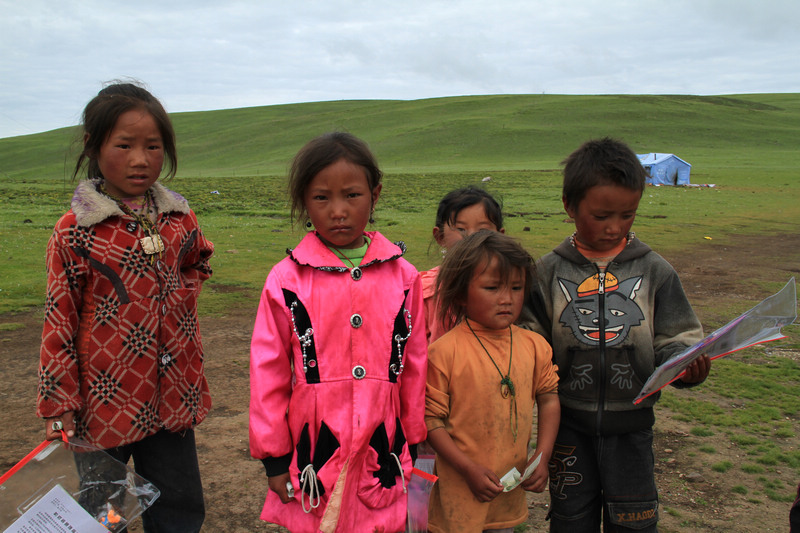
x=338 y=356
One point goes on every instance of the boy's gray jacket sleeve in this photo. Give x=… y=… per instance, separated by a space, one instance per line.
x=534 y=315
x=675 y=324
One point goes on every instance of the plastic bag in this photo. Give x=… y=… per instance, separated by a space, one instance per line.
x=419 y=490
x=762 y=323
x=64 y=481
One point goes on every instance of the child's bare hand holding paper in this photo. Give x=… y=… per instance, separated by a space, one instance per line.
x=513 y=478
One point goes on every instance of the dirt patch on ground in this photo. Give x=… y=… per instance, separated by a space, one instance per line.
x=693 y=496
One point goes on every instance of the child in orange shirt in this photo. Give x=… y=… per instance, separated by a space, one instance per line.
x=484 y=377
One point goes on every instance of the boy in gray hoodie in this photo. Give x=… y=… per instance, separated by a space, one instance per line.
x=613 y=310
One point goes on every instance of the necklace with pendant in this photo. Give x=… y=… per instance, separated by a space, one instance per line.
x=152 y=244
x=355 y=270
x=506 y=384
x=628 y=238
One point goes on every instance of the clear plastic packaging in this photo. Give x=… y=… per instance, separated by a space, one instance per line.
x=58 y=477
x=419 y=490
x=762 y=323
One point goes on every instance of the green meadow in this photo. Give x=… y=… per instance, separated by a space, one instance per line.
x=233 y=163
x=232 y=167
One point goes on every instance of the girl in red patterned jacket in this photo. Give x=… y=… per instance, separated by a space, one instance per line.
x=121 y=362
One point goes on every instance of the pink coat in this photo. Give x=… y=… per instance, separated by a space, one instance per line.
x=351 y=397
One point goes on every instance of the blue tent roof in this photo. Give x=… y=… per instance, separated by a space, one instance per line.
x=665 y=169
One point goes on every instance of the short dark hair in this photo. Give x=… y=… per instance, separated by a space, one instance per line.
x=601 y=162
x=101 y=114
x=454 y=201
x=322 y=152
x=459 y=266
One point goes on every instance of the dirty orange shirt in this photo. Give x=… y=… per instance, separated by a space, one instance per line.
x=463 y=397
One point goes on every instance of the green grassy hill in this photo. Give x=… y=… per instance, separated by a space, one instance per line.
x=232 y=167
x=460 y=133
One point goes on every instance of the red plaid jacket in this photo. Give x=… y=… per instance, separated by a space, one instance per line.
x=121 y=345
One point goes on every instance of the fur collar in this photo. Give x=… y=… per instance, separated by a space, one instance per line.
x=91 y=207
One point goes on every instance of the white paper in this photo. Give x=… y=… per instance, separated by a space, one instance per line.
x=56 y=512
x=513 y=478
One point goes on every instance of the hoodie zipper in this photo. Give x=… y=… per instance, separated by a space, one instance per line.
x=601 y=311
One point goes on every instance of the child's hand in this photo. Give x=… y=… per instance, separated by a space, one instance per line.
x=277 y=484
x=698 y=371
x=483 y=483
x=54 y=426
x=538 y=480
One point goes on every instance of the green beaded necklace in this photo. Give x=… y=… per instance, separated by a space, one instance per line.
x=506 y=384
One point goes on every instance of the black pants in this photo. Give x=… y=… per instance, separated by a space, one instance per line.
x=169 y=461
x=794 y=514
x=611 y=478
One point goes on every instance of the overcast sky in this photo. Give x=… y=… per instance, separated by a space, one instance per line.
x=200 y=55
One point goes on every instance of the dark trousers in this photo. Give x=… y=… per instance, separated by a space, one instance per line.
x=794 y=514
x=169 y=461
x=611 y=478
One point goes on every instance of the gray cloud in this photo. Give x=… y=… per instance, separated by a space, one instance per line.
x=198 y=55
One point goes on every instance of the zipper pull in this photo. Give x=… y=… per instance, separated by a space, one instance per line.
x=601 y=283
